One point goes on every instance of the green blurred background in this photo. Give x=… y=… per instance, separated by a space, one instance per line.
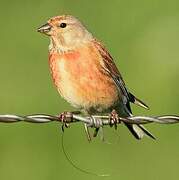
x=143 y=37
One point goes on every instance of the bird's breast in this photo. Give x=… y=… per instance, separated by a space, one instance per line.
x=81 y=80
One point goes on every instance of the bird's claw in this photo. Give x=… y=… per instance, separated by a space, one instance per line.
x=114 y=119
x=64 y=118
x=67 y=117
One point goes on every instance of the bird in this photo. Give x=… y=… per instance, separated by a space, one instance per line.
x=84 y=72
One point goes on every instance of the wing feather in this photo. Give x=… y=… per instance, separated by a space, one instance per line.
x=110 y=67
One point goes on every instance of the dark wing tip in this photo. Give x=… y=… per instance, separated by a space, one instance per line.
x=138 y=102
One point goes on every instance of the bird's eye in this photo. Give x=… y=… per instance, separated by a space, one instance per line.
x=63 y=25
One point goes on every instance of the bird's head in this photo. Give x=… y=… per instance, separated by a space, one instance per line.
x=65 y=31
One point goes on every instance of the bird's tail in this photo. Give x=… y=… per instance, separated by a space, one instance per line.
x=139 y=131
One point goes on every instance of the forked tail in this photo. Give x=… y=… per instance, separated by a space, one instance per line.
x=139 y=131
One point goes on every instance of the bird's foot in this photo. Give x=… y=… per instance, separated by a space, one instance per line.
x=114 y=119
x=65 y=117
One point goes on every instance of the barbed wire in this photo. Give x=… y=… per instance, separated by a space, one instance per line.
x=91 y=121
x=96 y=122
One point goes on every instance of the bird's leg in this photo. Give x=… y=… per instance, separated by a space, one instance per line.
x=114 y=119
x=64 y=118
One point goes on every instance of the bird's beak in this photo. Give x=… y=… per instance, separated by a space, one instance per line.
x=45 y=28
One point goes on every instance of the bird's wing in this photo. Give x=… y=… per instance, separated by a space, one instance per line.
x=110 y=67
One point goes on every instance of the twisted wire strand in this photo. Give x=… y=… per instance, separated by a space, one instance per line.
x=95 y=121
x=98 y=122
